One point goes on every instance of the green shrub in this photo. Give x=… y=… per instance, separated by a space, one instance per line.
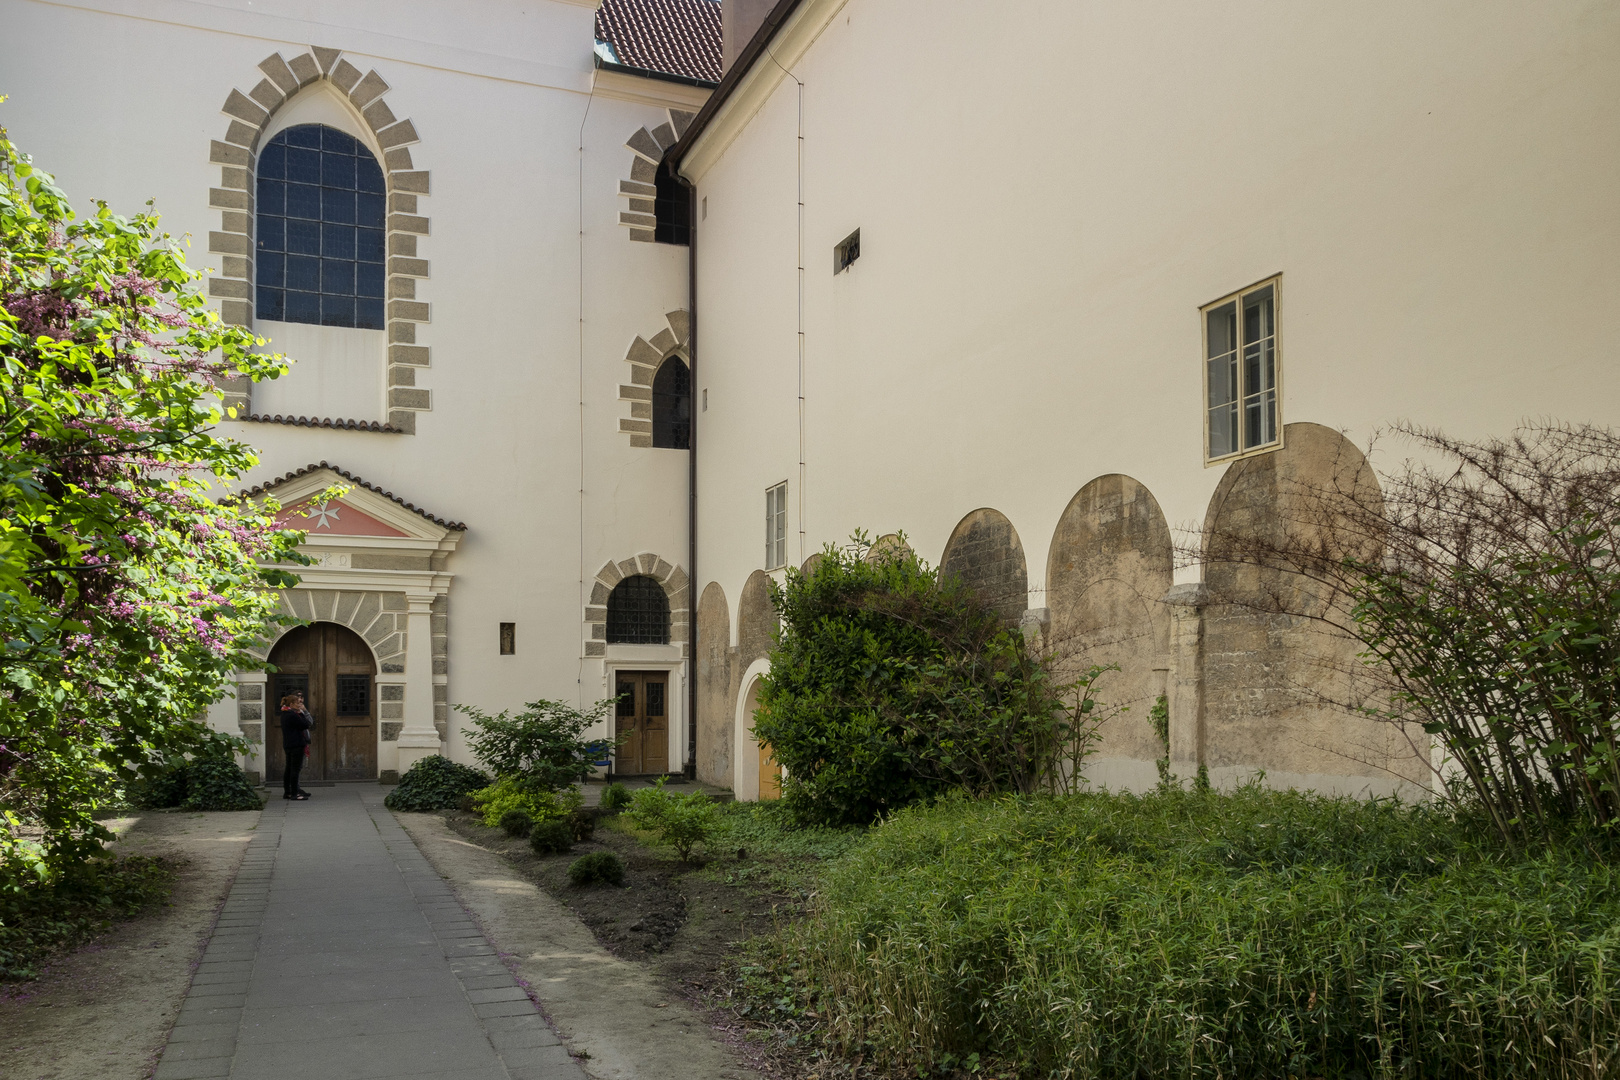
x=681 y=821
x=38 y=919
x=509 y=793
x=770 y=829
x=554 y=836
x=890 y=684
x=542 y=744
x=206 y=783
x=1183 y=934
x=434 y=783
x=615 y=796
x=584 y=823
x=597 y=868
x=517 y=823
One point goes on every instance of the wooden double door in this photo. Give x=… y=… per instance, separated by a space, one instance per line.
x=642 y=723
x=334 y=668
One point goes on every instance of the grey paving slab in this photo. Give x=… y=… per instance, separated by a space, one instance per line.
x=341 y=954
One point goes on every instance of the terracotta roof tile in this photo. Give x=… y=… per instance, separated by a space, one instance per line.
x=261 y=489
x=676 y=37
x=320 y=422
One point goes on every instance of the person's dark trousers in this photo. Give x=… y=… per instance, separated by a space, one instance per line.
x=295 y=765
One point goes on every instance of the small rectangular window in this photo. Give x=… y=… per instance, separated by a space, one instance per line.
x=508 y=638
x=776 y=526
x=847 y=252
x=1241 y=362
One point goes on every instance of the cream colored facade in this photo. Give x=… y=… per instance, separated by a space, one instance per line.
x=1047 y=194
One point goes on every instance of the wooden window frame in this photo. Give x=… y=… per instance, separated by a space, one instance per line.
x=1274 y=282
x=776 y=515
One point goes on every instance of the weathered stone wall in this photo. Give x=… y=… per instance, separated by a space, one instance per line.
x=985 y=552
x=715 y=714
x=1109 y=567
x=1274 y=684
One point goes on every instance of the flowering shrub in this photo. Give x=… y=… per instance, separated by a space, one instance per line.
x=127 y=594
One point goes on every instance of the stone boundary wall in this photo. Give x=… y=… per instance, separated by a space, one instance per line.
x=237 y=155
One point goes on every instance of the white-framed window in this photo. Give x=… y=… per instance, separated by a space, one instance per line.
x=1242 y=368
x=776 y=526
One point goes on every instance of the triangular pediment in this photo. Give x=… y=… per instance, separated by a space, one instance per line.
x=364 y=514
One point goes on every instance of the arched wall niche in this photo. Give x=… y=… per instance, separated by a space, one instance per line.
x=1110 y=563
x=298 y=83
x=985 y=552
x=1276 y=683
x=714 y=679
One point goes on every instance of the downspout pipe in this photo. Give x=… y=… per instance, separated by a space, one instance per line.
x=691 y=474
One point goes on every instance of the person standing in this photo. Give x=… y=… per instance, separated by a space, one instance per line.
x=295 y=728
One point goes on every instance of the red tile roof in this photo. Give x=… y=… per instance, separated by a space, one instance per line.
x=676 y=37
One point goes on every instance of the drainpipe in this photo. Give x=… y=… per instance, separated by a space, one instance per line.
x=691 y=475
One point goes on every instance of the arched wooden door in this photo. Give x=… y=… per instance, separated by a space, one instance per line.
x=334 y=669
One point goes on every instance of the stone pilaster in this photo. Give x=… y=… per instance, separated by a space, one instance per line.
x=419 y=738
x=1185 y=677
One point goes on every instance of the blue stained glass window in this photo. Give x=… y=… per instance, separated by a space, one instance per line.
x=321 y=228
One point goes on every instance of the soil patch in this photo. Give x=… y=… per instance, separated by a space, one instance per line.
x=103 y=1011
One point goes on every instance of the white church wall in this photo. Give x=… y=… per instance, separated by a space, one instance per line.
x=1047 y=194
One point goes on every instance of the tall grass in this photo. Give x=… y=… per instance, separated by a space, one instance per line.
x=1255 y=934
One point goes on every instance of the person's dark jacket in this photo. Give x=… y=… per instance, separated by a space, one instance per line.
x=295 y=725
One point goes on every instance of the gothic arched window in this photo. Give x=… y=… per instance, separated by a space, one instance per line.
x=672 y=405
x=638 y=612
x=672 y=208
x=319 y=256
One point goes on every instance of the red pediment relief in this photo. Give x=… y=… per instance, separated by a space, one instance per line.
x=336 y=518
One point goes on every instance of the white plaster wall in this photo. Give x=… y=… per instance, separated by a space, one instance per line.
x=536 y=291
x=1047 y=192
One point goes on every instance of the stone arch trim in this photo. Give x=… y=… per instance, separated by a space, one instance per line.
x=379 y=618
x=237 y=156
x=645 y=357
x=676 y=587
x=649 y=146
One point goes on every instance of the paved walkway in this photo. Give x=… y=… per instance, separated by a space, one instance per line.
x=341 y=954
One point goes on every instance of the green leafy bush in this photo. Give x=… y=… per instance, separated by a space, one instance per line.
x=681 y=821
x=435 y=783
x=889 y=685
x=510 y=793
x=517 y=823
x=615 y=796
x=1187 y=934
x=37 y=919
x=597 y=868
x=207 y=783
x=552 y=837
x=543 y=744
x=770 y=829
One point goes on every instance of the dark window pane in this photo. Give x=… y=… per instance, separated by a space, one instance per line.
x=303 y=166
x=337 y=206
x=627 y=699
x=638 y=612
x=369 y=313
x=272 y=234
x=367 y=176
x=303 y=273
x=272 y=269
x=337 y=311
x=335 y=140
x=369 y=279
x=371 y=246
x=655 y=698
x=672 y=405
x=272 y=196
x=672 y=209
x=354 y=695
x=303 y=307
x=370 y=212
x=337 y=241
x=270 y=304
x=273 y=162
x=337 y=171
x=337 y=277
x=303 y=135
x=303 y=237
x=304 y=201
x=1222 y=332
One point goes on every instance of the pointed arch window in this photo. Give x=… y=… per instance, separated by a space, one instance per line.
x=320 y=251
x=672 y=405
x=638 y=612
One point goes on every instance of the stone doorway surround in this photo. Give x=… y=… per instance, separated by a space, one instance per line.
x=381 y=569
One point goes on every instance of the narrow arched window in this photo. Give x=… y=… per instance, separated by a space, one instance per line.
x=638 y=612
x=320 y=254
x=672 y=208
x=672 y=405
